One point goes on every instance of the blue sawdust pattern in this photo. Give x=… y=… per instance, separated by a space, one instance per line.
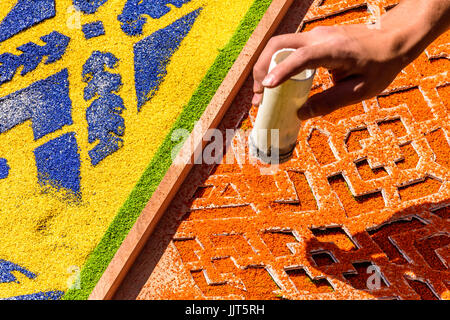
x=152 y=55
x=6 y=272
x=93 y=29
x=7 y=276
x=47 y=105
x=58 y=163
x=56 y=44
x=132 y=19
x=46 y=102
x=4 y=169
x=105 y=123
x=24 y=14
x=88 y=6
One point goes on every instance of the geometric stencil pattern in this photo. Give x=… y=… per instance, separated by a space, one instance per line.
x=367 y=189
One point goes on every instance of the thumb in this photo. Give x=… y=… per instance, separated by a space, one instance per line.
x=343 y=93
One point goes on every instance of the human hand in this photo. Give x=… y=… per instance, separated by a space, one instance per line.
x=362 y=60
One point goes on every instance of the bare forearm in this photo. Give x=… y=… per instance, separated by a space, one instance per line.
x=416 y=23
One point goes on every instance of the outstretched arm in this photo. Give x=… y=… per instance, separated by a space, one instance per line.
x=362 y=60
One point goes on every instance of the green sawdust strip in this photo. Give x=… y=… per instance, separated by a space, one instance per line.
x=100 y=257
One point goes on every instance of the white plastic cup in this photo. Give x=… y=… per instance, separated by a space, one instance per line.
x=276 y=128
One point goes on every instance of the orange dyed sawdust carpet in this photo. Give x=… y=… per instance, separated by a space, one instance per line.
x=360 y=212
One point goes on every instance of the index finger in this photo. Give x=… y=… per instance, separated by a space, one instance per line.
x=261 y=68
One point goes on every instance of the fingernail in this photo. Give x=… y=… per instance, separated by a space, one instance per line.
x=304 y=113
x=268 y=80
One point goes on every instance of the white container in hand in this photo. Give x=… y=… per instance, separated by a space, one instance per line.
x=276 y=128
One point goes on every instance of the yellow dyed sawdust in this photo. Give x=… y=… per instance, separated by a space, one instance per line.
x=42 y=232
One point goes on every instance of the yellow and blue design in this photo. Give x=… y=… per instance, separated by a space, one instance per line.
x=89 y=90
